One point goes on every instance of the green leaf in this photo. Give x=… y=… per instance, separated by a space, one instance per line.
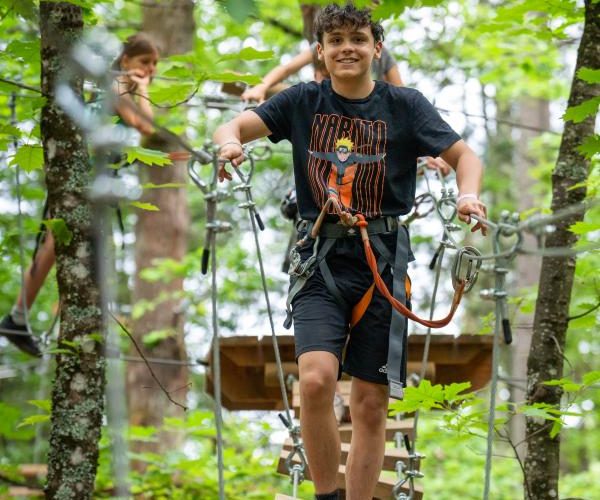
x=249 y=54
x=28 y=157
x=239 y=10
x=29 y=52
x=590 y=146
x=33 y=420
x=144 y=206
x=59 y=229
x=9 y=130
x=173 y=93
x=584 y=110
x=584 y=227
x=589 y=75
x=451 y=391
x=147 y=156
x=556 y=428
x=540 y=410
x=156 y=337
x=42 y=404
x=230 y=76
x=591 y=378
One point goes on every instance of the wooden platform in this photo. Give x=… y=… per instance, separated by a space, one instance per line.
x=34 y=474
x=249 y=372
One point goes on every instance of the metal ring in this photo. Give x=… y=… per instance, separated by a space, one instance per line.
x=470 y=274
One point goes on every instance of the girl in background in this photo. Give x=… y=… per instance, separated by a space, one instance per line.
x=134 y=69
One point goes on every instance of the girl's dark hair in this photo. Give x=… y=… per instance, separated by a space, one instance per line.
x=334 y=17
x=136 y=45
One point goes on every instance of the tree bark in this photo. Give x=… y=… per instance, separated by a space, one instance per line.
x=160 y=235
x=78 y=390
x=552 y=308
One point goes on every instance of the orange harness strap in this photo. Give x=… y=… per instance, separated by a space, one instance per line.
x=359 y=220
x=358 y=311
x=381 y=286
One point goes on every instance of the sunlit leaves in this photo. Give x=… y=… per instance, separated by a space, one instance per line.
x=248 y=54
x=172 y=92
x=427 y=397
x=231 y=76
x=590 y=146
x=24 y=51
x=589 y=75
x=239 y=9
x=28 y=157
x=582 y=111
x=155 y=337
x=147 y=156
x=34 y=420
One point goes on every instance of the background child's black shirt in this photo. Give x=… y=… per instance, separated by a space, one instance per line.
x=385 y=132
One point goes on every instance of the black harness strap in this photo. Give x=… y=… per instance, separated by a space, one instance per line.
x=396 y=362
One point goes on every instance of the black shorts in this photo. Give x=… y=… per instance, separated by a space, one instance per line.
x=322 y=324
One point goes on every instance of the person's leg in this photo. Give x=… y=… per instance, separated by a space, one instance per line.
x=368 y=410
x=318 y=371
x=37 y=273
x=13 y=325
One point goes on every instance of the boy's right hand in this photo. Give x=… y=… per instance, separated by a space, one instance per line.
x=257 y=93
x=229 y=152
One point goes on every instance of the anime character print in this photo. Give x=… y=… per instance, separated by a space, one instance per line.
x=353 y=177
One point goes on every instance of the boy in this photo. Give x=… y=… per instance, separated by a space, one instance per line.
x=381 y=130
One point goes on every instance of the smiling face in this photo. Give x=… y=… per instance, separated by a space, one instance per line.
x=348 y=52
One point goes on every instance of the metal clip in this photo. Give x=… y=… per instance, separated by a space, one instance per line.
x=465 y=268
x=300 y=269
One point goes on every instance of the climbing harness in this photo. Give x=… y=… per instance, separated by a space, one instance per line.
x=301 y=270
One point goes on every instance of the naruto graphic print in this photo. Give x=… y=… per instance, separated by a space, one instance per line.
x=347 y=161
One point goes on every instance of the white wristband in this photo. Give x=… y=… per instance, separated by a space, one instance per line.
x=466 y=197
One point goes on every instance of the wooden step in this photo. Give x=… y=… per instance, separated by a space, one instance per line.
x=392 y=455
x=384 y=487
x=391 y=428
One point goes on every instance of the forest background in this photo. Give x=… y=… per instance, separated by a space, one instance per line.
x=503 y=69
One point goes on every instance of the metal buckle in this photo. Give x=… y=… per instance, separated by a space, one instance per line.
x=465 y=267
x=300 y=269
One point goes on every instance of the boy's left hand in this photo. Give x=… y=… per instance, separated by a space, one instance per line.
x=471 y=206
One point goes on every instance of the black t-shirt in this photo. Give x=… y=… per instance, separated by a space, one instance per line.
x=363 y=151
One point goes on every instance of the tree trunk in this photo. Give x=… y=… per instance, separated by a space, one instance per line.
x=160 y=235
x=535 y=113
x=78 y=390
x=552 y=308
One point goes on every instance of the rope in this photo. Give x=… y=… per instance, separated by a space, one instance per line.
x=296 y=470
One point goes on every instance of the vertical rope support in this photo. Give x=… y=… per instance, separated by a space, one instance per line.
x=212 y=200
x=217 y=371
x=438 y=270
x=500 y=271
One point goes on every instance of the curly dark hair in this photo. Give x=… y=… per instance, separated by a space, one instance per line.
x=335 y=16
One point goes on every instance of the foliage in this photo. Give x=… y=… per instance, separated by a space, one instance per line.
x=510 y=49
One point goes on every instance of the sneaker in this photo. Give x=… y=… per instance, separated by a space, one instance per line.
x=21 y=339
